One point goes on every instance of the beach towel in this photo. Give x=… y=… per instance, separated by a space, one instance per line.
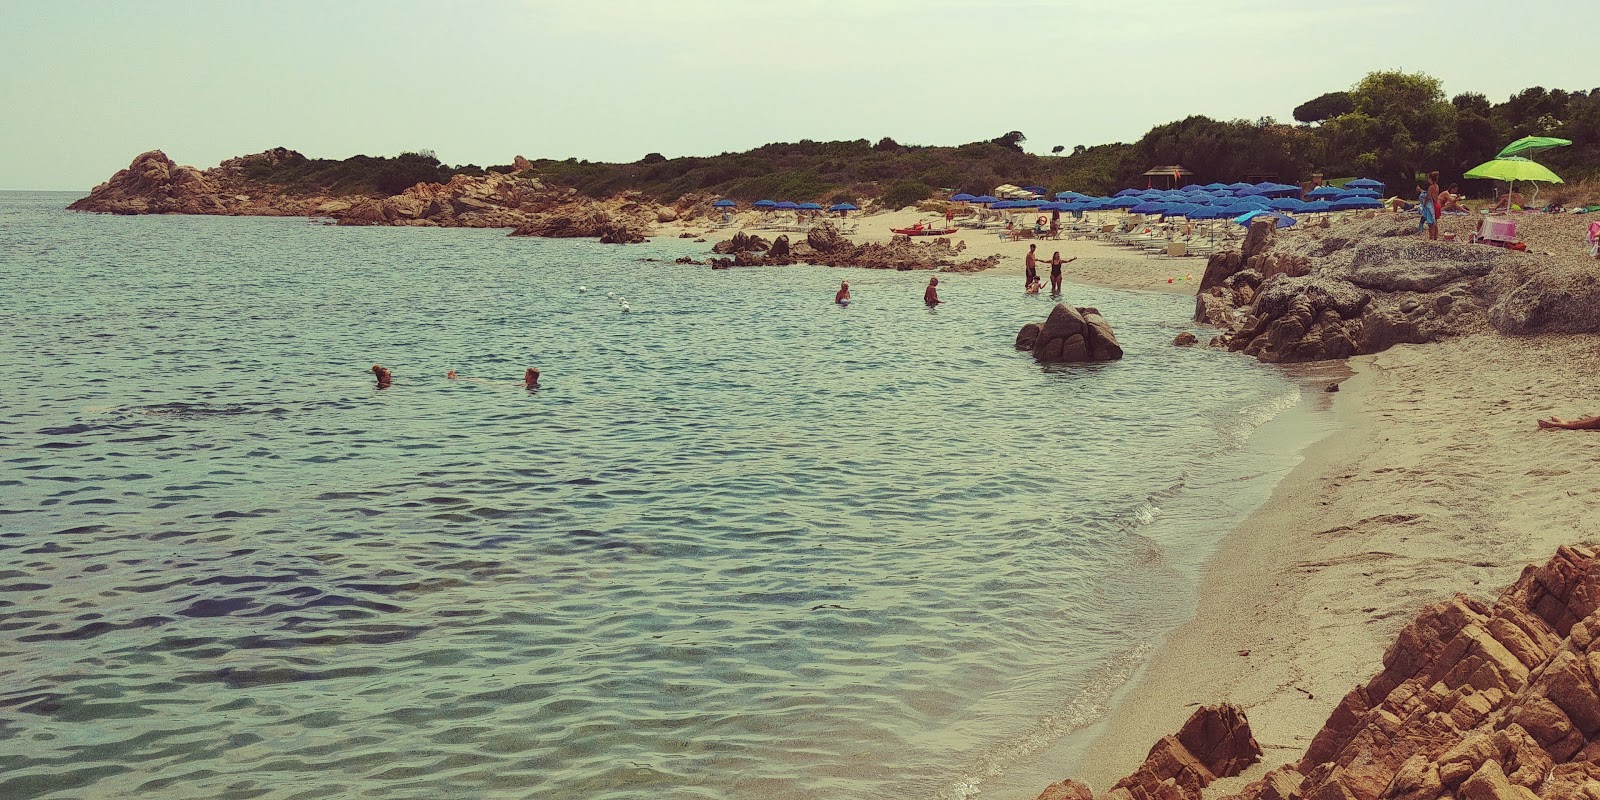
x=1594 y=240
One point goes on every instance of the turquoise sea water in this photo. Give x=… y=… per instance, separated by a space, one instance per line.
x=741 y=544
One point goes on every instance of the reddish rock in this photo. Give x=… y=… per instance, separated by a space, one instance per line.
x=1071 y=335
x=1184 y=339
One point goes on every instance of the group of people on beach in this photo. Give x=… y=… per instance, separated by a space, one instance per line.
x=530 y=378
x=1031 y=282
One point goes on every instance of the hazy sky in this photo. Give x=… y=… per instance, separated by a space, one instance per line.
x=86 y=86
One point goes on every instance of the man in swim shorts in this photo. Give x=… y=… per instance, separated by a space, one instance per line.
x=931 y=296
x=384 y=379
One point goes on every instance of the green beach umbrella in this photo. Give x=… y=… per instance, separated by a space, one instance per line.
x=1531 y=144
x=1514 y=169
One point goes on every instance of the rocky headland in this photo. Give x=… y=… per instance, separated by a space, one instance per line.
x=1364 y=286
x=154 y=184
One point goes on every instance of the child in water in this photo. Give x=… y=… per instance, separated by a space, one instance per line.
x=384 y=379
x=842 y=297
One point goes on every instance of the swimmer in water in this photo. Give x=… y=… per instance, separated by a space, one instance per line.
x=931 y=296
x=384 y=379
x=530 y=379
x=450 y=375
x=842 y=297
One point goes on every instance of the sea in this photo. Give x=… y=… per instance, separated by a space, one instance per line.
x=739 y=543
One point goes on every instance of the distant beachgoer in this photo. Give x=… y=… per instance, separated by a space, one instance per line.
x=1430 y=219
x=949 y=217
x=1452 y=201
x=530 y=379
x=451 y=375
x=1583 y=424
x=384 y=379
x=1055 y=223
x=1030 y=263
x=1034 y=287
x=931 y=296
x=842 y=297
x=1434 y=201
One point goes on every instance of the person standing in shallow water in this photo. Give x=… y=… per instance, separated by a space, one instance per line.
x=842 y=297
x=384 y=379
x=931 y=296
x=1055 y=272
x=1031 y=262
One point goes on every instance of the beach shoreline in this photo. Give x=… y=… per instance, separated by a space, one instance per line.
x=1397 y=508
x=1097 y=263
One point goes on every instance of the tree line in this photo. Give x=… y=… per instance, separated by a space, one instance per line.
x=1393 y=126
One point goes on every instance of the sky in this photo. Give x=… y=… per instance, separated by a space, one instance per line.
x=86 y=86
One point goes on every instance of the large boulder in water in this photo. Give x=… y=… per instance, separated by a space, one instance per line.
x=1070 y=335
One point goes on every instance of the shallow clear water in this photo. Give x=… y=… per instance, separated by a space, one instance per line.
x=742 y=543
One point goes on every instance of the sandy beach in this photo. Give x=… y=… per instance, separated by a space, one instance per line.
x=1097 y=263
x=1435 y=481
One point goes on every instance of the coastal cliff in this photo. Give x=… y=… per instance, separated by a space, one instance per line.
x=154 y=184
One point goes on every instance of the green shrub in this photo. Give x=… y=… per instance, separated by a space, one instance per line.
x=905 y=193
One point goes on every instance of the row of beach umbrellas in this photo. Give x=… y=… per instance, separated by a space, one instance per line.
x=787 y=205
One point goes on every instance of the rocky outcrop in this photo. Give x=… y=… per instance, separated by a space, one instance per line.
x=1370 y=285
x=1070 y=335
x=826 y=246
x=1214 y=743
x=153 y=184
x=1478 y=702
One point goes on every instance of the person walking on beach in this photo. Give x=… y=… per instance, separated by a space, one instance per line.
x=384 y=379
x=931 y=296
x=1031 y=263
x=842 y=297
x=1055 y=223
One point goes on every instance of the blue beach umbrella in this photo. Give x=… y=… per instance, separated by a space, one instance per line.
x=786 y=205
x=724 y=204
x=985 y=199
x=1364 y=183
x=1212 y=187
x=1207 y=212
x=1193 y=187
x=1147 y=207
x=843 y=207
x=1281 y=220
x=1282 y=190
x=1285 y=204
x=1357 y=193
x=961 y=197
x=1323 y=191
x=809 y=207
x=1126 y=193
x=1123 y=202
x=1255 y=200
x=765 y=203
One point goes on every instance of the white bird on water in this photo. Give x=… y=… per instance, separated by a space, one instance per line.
x=612 y=295
x=583 y=290
x=625 y=308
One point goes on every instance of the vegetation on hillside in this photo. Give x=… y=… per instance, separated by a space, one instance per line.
x=1392 y=126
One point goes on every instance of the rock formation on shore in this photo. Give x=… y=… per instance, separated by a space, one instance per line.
x=1477 y=702
x=826 y=246
x=153 y=184
x=1070 y=335
x=1365 y=287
